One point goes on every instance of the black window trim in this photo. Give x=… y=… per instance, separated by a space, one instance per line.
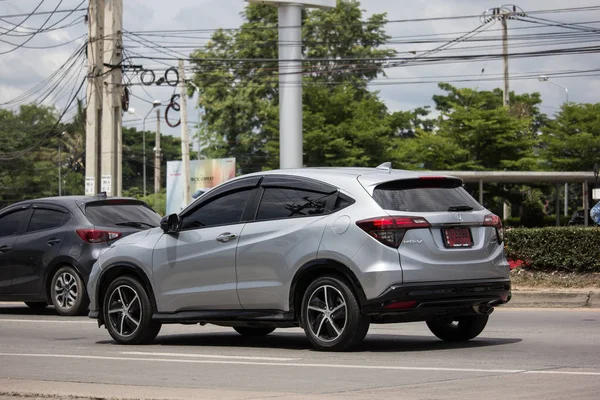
x=329 y=207
x=245 y=214
x=49 y=207
x=227 y=187
x=22 y=227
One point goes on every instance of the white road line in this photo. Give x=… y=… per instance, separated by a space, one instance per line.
x=192 y=355
x=299 y=365
x=47 y=321
x=562 y=373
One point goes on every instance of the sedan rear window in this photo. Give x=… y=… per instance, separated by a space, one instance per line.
x=121 y=212
x=425 y=195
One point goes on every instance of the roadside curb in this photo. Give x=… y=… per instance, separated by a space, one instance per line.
x=554 y=299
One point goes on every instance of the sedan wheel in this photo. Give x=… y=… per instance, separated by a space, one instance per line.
x=68 y=292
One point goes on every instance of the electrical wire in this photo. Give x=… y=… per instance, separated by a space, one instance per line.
x=15 y=26
x=33 y=35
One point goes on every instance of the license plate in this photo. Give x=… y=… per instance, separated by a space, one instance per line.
x=457 y=237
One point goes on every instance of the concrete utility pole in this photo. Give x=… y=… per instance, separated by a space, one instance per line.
x=290 y=77
x=506 y=98
x=290 y=86
x=157 y=154
x=110 y=143
x=503 y=14
x=185 y=141
x=95 y=51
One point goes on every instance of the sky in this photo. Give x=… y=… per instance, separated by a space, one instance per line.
x=22 y=69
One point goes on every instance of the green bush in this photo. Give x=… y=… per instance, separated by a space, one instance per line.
x=158 y=202
x=549 y=220
x=532 y=210
x=569 y=249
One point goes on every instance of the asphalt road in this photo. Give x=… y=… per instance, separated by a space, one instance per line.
x=523 y=353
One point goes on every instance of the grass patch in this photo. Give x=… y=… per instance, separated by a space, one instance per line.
x=526 y=278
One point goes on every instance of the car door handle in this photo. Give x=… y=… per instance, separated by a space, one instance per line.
x=52 y=242
x=5 y=249
x=226 y=237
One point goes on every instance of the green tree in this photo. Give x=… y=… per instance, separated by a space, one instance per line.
x=34 y=173
x=133 y=165
x=572 y=140
x=496 y=137
x=344 y=123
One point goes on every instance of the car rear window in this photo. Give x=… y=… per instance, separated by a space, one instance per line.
x=114 y=212
x=424 y=195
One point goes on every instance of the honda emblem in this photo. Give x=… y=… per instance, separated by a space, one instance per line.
x=459 y=217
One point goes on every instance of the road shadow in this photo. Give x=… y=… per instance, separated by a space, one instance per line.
x=376 y=343
x=19 y=309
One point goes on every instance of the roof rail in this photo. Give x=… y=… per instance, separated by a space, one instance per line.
x=386 y=166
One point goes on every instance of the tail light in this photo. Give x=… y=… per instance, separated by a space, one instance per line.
x=495 y=221
x=97 y=236
x=391 y=230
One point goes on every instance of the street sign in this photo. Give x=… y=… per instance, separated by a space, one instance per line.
x=596 y=194
x=305 y=3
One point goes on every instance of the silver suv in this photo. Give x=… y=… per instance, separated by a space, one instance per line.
x=331 y=250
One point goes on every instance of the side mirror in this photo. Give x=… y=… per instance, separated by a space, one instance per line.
x=170 y=223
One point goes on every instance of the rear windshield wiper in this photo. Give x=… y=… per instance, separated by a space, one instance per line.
x=460 y=208
x=135 y=224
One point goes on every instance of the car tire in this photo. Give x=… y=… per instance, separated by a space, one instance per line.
x=331 y=317
x=459 y=329
x=36 y=305
x=67 y=292
x=127 y=312
x=249 y=331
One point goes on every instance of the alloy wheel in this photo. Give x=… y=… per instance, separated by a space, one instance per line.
x=327 y=313
x=66 y=290
x=125 y=310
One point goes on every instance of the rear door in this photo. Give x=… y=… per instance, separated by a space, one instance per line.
x=457 y=244
x=286 y=234
x=12 y=222
x=37 y=247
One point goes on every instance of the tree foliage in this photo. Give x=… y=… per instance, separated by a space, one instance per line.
x=572 y=139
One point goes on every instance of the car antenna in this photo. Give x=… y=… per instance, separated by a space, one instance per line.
x=386 y=166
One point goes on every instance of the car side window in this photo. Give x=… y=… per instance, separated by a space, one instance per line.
x=46 y=219
x=279 y=203
x=224 y=210
x=10 y=223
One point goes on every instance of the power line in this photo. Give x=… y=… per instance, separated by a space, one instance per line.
x=15 y=26
x=33 y=35
x=72 y=10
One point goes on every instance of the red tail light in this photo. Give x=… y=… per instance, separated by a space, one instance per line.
x=97 y=236
x=391 y=230
x=496 y=222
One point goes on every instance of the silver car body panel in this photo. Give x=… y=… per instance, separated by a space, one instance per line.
x=268 y=255
x=192 y=271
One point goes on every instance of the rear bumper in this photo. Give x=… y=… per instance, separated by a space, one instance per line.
x=430 y=300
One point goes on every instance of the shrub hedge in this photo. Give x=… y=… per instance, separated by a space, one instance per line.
x=569 y=249
x=548 y=220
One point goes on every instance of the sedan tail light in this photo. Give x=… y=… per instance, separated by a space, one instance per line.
x=97 y=236
x=391 y=230
x=495 y=221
